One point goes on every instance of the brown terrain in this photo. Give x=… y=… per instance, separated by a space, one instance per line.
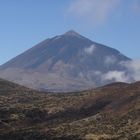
x=106 y=113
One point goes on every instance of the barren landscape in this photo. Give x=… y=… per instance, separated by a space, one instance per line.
x=107 y=113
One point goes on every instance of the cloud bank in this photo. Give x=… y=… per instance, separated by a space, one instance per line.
x=130 y=74
x=117 y=76
x=94 y=11
x=133 y=69
x=97 y=12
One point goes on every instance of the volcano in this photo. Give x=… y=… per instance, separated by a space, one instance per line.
x=67 y=62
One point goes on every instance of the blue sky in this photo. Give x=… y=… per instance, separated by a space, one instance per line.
x=24 y=23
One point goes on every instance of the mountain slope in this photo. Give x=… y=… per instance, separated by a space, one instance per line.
x=109 y=112
x=66 y=62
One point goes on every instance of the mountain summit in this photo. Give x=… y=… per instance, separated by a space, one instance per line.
x=66 y=62
x=72 y=32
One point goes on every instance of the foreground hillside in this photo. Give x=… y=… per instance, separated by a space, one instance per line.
x=107 y=113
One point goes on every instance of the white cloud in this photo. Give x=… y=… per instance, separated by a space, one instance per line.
x=133 y=69
x=90 y=49
x=132 y=72
x=110 y=59
x=94 y=11
x=117 y=76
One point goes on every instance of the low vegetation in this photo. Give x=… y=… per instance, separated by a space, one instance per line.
x=107 y=113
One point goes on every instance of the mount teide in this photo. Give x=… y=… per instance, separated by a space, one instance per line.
x=66 y=62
